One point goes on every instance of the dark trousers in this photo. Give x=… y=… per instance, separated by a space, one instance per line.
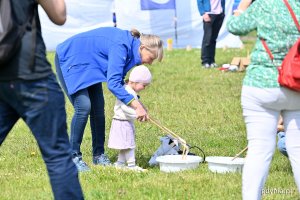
x=86 y=102
x=40 y=103
x=211 y=31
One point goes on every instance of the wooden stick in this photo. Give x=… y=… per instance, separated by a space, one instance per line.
x=182 y=141
x=237 y=155
x=166 y=129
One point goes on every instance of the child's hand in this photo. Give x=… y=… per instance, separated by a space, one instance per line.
x=141 y=112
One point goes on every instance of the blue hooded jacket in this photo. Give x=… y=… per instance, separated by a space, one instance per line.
x=100 y=55
x=204 y=6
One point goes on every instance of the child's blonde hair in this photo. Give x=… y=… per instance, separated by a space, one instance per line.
x=152 y=42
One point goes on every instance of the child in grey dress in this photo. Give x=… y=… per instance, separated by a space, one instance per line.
x=122 y=132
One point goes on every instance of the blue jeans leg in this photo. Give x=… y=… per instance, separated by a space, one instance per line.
x=82 y=107
x=97 y=118
x=281 y=143
x=88 y=102
x=8 y=116
x=41 y=105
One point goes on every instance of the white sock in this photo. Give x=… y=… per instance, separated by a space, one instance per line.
x=130 y=157
x=121 y=157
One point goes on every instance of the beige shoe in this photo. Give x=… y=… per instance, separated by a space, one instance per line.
x=136 y=168
x=119 y=165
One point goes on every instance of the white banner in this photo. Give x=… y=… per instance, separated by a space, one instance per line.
x=89 y=14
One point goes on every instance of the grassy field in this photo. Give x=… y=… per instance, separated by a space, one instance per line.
x=201 y=105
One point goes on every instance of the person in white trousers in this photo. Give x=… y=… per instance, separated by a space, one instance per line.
x=263 y=99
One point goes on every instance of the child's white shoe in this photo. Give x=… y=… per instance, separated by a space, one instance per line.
x=119 y=165
x=136 y=168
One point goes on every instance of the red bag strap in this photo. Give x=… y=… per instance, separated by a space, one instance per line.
x=292 y=14
x=295 y=21
x=267 y=48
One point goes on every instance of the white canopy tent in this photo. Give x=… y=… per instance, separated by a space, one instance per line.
x=89 y=14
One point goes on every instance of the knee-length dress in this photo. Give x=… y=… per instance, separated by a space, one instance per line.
x=122 y=131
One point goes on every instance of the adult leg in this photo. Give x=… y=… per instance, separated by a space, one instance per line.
x=97 y=121
x=261 y=124
x=8 y=115
x=82 y=107
x=292 y=127
x=217 y=22
x=205 y=48
x=44 y=113
x=97 y=118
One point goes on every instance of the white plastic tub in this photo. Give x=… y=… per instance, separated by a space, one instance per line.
x=225 y=164
x=175 y=163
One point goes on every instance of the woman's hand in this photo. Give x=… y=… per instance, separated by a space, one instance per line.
x=141 y=112
x=244 y=4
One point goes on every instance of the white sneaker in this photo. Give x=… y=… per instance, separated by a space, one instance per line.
x=119 y=165
x=136 y=168
x=206 y=65
x=213 y=65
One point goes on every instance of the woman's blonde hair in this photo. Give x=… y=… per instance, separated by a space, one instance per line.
x=151 y=42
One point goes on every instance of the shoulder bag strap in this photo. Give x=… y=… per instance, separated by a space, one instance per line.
x=292 y=14
x=263 y=41
x=295 y=21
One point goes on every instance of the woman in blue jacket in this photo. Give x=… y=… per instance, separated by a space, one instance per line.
x=86 y=60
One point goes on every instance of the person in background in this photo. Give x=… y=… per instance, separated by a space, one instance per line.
x=86 y=60
x=213 y=14
x=263 y=99
x=235 y=4
x=114 y=17
x=29 y=90
x=113 y=11
x=122 y=132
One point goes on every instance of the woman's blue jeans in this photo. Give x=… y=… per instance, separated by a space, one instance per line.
x=88 y=102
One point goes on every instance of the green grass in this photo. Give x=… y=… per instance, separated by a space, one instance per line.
x=201 y=105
